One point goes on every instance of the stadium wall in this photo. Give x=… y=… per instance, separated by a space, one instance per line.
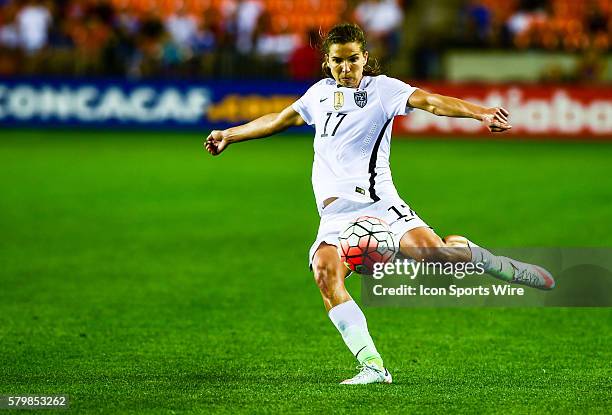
x=551 y=111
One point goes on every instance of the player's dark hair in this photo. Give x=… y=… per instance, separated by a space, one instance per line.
x=346 y=33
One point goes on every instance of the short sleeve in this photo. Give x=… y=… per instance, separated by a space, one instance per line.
x=394 y=95
x=304 y=106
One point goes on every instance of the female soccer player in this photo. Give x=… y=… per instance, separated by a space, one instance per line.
x=352 y=111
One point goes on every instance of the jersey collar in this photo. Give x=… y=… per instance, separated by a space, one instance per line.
x=361 y=82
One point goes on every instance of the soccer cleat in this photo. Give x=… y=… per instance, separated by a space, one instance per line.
x=531 y=275
x=369 y=374
x=534 y=276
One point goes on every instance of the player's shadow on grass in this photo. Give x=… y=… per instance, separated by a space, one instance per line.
x=272 y=376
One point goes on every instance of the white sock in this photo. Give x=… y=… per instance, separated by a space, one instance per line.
x=351 y=323
x=494 y=265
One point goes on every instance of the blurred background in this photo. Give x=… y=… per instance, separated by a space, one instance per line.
x=549 y=40
x=554 y=55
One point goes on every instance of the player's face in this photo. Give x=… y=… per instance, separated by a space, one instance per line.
x=346 y=62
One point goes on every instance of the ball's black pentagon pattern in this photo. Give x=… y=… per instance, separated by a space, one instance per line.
x=359 y=229
x=353 y=239
x=364 y=242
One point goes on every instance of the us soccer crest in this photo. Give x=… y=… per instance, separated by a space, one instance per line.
x=338 y=100
x=361 y=98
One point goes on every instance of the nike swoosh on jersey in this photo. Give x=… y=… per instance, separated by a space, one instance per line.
x=322 y=99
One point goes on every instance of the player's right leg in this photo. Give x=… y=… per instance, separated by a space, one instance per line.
x=422 y=244
x=504 y=268
x=346 y=315
x=419 y=242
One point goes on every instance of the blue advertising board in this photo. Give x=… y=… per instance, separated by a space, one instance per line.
x=140 y=104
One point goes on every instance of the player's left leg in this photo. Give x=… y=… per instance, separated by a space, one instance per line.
x=346 y=315
x=423 y=244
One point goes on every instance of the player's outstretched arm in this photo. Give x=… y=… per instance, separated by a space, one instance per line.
x=264 y=126
x=495 y=119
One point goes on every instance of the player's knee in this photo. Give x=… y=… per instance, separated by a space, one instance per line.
x=425 y=247
x=455 y=241
x=450 y=249
x=437 y=251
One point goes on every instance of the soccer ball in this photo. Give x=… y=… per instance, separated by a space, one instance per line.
x=366 y=241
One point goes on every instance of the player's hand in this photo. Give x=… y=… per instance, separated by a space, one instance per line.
x=496 y=120
x=215 y=143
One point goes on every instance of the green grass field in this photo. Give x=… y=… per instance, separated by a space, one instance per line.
x=140 y=274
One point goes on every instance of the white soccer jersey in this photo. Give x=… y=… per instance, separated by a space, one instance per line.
x=353 y=136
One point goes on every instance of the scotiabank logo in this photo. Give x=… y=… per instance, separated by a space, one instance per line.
x=540 y=111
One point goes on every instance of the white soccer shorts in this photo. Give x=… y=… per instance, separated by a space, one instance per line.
x=337 y=215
